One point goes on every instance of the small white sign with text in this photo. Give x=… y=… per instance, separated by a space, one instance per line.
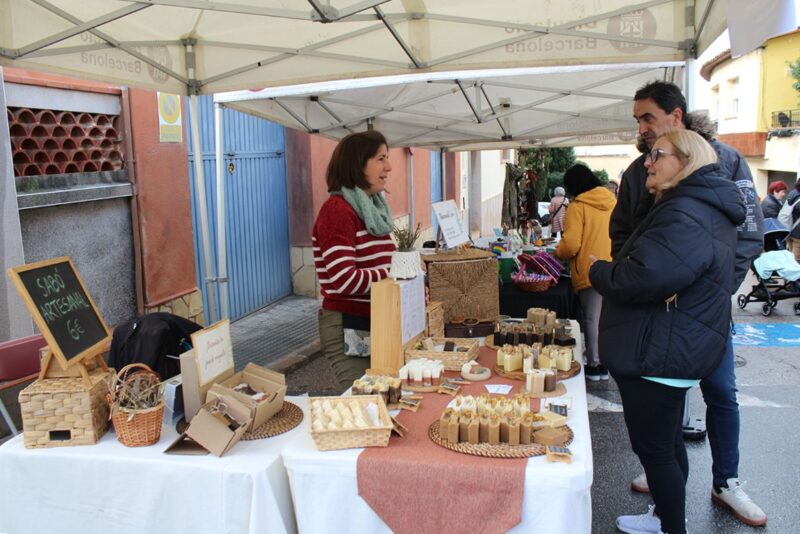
x=214 y=351
x=450 y=223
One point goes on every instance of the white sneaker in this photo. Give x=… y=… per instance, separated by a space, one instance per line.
x=648 y=523
x=739 y=503
x=639 y=484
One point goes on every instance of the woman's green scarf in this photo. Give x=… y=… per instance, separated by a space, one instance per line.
x=373 y=210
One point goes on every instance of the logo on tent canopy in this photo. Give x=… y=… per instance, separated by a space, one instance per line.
x=640 y=24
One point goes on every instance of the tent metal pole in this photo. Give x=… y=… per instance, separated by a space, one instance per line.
x=200 y=189
x=410 y=188
x=222 y=249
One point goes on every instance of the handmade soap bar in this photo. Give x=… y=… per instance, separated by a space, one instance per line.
x=551 y=436
x=552 y=419
x=564 y=360
x=513 y=361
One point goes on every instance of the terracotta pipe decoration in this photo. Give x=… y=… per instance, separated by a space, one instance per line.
x=53 y=169
x=41 y=157
x=87 y=143
x=21 y=158
x=71 y=167
x=111 y=133
x=45 y=116
x=59 y=131
x=17 y=130
x=29 y=143
x=39 y=131
x=60 y=158
x=66 y=118
x=89 y=166
x=31 y=169
x=106 y=143
x=76 y=132
x=103 y=120
x=106 y=166
x=26 y=116
x=95 y=155
x=79 y=156
x=85 y=119
x=95 y=132
x=69 y=144
x=51 y=144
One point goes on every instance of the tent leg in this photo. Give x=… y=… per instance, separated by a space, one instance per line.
x=222 y=249
x=200 y=188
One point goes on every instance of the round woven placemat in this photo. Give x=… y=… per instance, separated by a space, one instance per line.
x=503 y=450
x=287 y=418
x=574 y=369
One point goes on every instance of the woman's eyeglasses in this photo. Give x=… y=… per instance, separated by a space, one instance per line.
x=657 y=153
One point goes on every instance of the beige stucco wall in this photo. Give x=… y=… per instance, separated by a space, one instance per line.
x=747 y=69
x=613 y=158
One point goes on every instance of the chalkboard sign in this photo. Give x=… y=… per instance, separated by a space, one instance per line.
x=62 y=308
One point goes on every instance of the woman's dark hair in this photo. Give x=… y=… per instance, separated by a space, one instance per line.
x=346 y=168
x=579 y=179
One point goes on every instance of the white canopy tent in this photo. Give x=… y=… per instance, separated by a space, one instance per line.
x=196 y=46
x=542 y=106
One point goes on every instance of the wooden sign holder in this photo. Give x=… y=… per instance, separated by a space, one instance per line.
x=51 y=367
x=79 y=365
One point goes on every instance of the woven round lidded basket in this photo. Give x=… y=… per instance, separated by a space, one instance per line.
x=137 y=405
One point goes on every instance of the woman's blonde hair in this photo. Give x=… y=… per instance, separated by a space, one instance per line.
x=692 y=149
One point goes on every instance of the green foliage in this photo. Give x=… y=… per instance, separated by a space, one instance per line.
x=794 y=72
x=544 y=162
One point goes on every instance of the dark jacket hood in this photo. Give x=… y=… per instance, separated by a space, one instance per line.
x=708 y=184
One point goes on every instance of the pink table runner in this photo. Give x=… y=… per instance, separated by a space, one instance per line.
x=415 y=485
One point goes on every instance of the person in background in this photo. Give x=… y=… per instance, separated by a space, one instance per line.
x=793 y=241
x=658 y=108
x=352 y=245
x=772 y=203
x=557 y=210
x=666 y=312
x=586 y=234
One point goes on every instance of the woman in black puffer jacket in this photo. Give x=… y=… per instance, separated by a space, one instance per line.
x=666 y=310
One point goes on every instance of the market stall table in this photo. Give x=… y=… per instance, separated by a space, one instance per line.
x=557 y=496
x=559 y=298
x=107 y=487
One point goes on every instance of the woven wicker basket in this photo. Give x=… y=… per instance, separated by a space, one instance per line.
x=141 y=427
x=534 y=286
x=465 y=283
x=453 y=361
x=378 y=436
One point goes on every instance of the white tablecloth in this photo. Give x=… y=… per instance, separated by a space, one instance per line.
x=109 y=488
x=557 y=496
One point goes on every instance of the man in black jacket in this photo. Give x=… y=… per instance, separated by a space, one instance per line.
x=659 y=107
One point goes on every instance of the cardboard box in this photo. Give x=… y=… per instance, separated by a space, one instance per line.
x=260 y=379
x=211 y=432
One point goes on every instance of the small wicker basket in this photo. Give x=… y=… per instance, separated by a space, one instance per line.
x=136 y=427
x=378 y=436
x=531 y=282
x=453 y=361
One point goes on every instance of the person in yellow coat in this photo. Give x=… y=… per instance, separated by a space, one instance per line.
x=586 y=238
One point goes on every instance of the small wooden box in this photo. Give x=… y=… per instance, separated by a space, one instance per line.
x=435 y=319
x=58 y=412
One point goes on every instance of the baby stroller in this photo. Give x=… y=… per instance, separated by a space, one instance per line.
x=776 y=270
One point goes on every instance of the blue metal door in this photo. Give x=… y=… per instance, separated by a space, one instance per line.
x=256 y=213
x=436 y=185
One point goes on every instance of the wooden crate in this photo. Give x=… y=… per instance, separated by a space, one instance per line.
x=329 y=440
x=58 y=412
x=453 y=361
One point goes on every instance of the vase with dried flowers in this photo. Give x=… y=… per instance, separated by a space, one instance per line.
x=137 y=405
x=405 y=260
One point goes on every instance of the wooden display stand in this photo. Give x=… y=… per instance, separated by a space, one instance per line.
x=397 y=321
x=67 y=404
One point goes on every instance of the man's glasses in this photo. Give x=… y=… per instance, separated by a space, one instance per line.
x=657 y=153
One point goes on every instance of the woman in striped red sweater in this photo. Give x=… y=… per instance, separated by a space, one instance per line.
x=352 y=244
